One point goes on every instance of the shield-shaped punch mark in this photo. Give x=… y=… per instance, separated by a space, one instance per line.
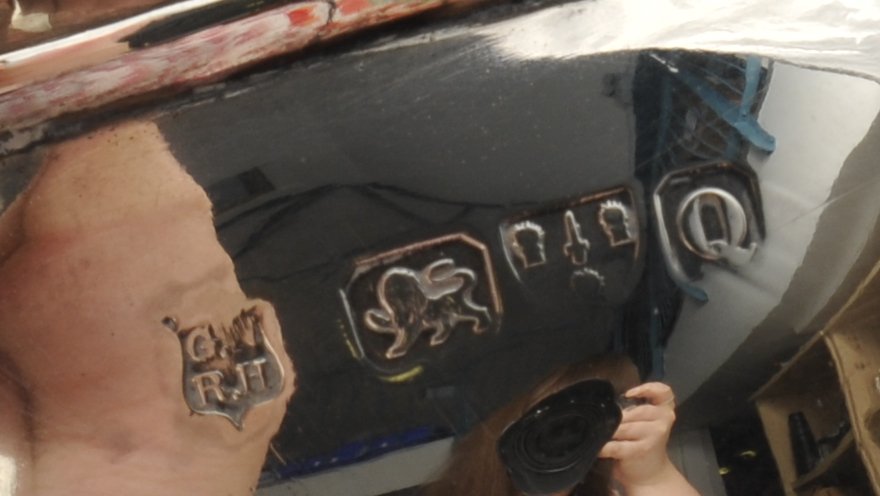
x=229 y=369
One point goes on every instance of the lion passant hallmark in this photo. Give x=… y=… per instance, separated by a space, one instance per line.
x=412 y=304
x=229 y=368
x=435 y=299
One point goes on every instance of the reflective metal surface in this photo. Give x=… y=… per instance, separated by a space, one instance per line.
x=441 y=227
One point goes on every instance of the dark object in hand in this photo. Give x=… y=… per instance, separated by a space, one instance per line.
x=553 y=446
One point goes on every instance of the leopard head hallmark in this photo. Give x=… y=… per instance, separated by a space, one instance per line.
x=228 y=368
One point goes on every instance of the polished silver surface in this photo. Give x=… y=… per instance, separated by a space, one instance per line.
x=399 y=324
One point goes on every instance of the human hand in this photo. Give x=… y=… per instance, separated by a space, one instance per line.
x=639 y=444
x=109 y=253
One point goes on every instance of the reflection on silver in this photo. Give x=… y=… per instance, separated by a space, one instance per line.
x=618 y=222
x=438 y=298
x=525 y=240
x=714 y=209
x=576 y=247
x=227 y=370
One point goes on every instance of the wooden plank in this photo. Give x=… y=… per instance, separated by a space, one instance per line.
x=810 y=351
x=856 y=354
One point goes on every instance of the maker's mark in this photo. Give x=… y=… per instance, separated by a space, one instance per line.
x=228 y=368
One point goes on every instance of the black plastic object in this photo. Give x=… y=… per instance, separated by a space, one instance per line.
x=803 y=444
x=554 y=445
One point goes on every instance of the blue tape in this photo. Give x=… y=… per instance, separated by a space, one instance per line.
x=737 y=116
x=355 y=452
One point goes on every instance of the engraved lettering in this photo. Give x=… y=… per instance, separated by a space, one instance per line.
x=209 y=383
x=200 y=344
x=250 y=375
x=229 y=368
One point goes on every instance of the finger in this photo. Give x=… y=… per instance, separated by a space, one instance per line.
x=648 y=413
x=141 y=248
x=656 y=393
x=622 y=450
x=635 y=431
x=608 y=451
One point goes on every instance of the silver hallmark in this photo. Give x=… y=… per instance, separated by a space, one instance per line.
x=713 y=224
x=707 y=213
x=619 y=223
x=406 y=304
x=577 y=250
x=576 y=247
x=588 y=247
x=586 y=273
x=437 y=298
x=229 y=369
x=525 y=241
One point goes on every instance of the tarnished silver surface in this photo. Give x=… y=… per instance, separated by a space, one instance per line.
x=229 y=368
x=437 y=298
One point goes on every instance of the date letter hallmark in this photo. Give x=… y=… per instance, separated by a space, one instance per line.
x=229 y=368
